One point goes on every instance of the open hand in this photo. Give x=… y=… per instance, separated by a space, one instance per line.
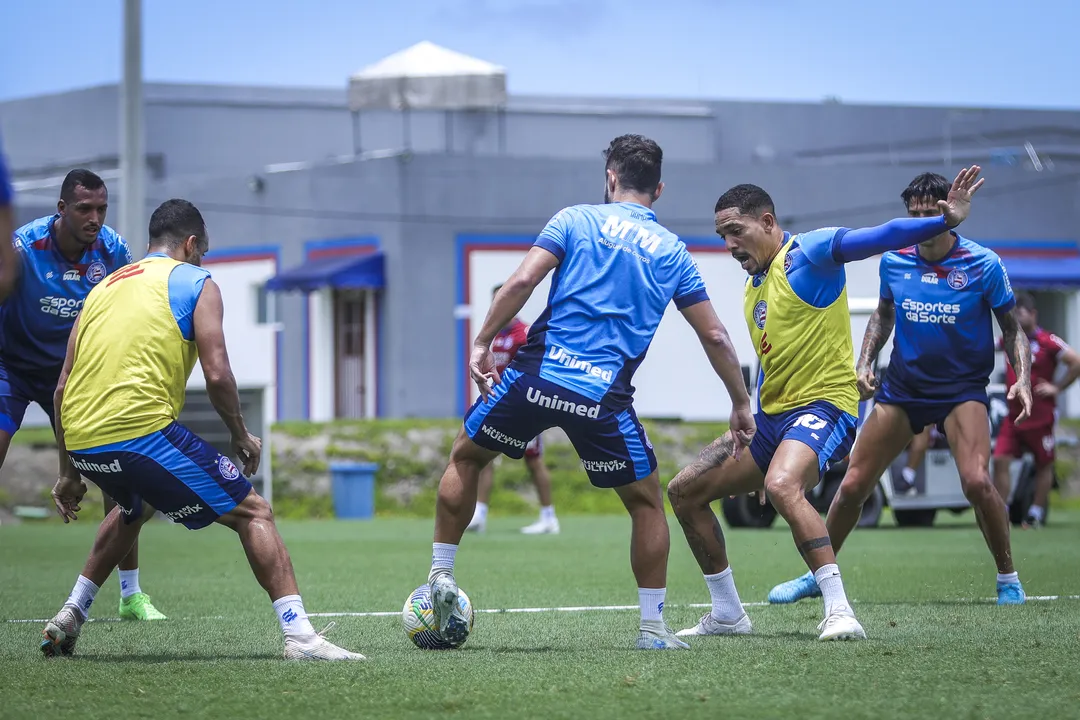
x=958 y=205
x=482 y=369
x=67 y=494
x=1021 y=392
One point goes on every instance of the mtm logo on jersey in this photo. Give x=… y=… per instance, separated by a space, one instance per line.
x=935 y=313
x=553 y=402
x=616 y=227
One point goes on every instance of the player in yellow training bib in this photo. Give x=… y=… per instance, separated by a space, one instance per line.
x=797 y=311
x=120 y=393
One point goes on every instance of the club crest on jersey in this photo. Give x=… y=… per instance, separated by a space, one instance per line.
x=96 y=272
x=227 y=468
x=958 y=279
x=787 y=263
x=759 y=314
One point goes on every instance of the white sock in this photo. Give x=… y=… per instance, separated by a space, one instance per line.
x=481 y=511
x=129 y=583
x=1008 y=578
x=909 y=475
x=832 y=588
x=293 y=618
x=442 y=557
x=726 y=606
x=547 y=513
x=1036 y=512
x=652 y=604
x=82 y=596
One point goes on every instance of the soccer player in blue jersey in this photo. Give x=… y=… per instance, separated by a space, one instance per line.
x=797 y=312
x=9 y=267
x=61 y=258
x=616 y=271
x=940 y=295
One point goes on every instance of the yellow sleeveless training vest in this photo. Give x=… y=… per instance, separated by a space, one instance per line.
x=131 y=362
x=805 y=352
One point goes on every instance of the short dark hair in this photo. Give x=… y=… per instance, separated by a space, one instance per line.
x=636 y=161
x=928 y=186
x=749 y=199
x=79 y=177
x=1025 y=300
x=175 y=221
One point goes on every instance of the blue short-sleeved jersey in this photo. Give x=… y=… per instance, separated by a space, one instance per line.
x=944 y=344
x=36 y=320
x=619 y=270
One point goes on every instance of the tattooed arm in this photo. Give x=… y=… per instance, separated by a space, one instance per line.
x=1016 y=346
x=878 y=330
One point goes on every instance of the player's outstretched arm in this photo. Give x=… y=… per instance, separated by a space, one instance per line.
x=862 y=243
x=878 y=330
x=220 y=381
x=512 y=296
x=1018 y=350
x=717 y=344
x=69 y=489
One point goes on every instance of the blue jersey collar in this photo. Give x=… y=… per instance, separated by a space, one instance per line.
x=640 y=208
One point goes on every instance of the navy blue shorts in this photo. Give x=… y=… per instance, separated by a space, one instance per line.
x=173 y=470
x=18 y=389
x=825 y=428
x=612 y=445
x=922 y=412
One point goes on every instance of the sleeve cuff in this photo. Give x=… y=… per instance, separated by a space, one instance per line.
x=691 y=298
x=1006 y=306
x=837 y=248
x=551 y=246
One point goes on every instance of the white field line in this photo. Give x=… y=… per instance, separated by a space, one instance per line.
x=572 y=608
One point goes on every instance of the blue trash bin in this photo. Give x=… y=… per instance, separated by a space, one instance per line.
x=353 y=487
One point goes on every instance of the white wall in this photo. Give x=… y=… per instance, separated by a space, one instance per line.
x=252 y=350
x=321 y=354
x=675 y=380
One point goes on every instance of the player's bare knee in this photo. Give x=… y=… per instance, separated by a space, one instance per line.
x=684 y=495
x=784 y=488
x=977 y=487
x=855 y=488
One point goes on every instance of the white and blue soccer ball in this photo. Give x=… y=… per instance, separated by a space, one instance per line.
x=418 y=620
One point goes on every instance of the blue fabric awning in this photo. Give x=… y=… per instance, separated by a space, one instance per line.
x=354 y=272
x=1043 y=273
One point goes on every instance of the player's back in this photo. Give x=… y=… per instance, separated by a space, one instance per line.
x=36 y=320
x=134 y=353
x=619 y=270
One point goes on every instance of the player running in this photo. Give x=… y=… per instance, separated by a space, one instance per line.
x=797 y=312
x=62 y=257
x=617 y=270
x=946 y=289
x=1037 y=434
x=121 y=390
x=504 y=347
x=9 y=266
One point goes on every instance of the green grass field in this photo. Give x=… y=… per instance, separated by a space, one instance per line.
x=937 y=648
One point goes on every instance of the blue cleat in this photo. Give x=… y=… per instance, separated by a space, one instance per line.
x=1011 y=594
x=804 y=586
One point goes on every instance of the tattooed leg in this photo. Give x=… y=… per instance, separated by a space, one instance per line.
x=793 y=469
x=714 y=475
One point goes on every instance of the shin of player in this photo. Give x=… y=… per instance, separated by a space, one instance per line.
x=120 y=392
x=575 y=371
x=797 y=313
x=940 y=295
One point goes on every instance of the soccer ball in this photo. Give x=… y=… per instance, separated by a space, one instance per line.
x=418 y=619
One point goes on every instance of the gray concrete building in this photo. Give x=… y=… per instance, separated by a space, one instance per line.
x=414 y=210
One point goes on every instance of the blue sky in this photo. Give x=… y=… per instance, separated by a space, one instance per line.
x=964 y=52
